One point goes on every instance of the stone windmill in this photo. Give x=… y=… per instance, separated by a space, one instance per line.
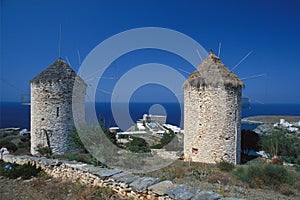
x=51 y=106
x=212 y=113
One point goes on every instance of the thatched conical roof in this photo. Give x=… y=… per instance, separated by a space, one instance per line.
x=59 y=70
x=213 y=73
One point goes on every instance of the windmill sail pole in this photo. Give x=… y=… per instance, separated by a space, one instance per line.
x=254 y=76
x=219 y=49
x=59 y=42
x=241 y=61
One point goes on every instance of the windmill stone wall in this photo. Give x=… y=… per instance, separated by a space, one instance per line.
x=212 y=113
x=51 y=106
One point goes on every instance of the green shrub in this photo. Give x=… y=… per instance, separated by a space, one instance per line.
x=297 y=168
x=275 y=175
x=225 y=166
x=111 y=136
x=85 y=158
x=242 y=174
x=25 y=138
x=9 y=145
x=138 y=149
x=75 y=140
x=157 y=146
x=24 y=145
x=25 y=171
x=44 y=151
x=167 y=138
x=260 y=174
x=138 y=145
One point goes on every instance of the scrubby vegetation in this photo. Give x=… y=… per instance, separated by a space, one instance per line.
x=281 y=144
x=109 y=135
x=138 y=145
x=75 y=140
x=255 y=174
x=14 y=142
x=9 y=145
x=53 y=188
x=225 y=166
x=259 y=174
x=14 y=171
x=44 y=151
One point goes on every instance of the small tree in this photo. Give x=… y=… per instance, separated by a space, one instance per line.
x=270 y=143
x=279 y=143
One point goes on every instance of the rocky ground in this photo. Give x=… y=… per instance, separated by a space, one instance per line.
x=210 y=178
x=224 y=183
x=50 y=188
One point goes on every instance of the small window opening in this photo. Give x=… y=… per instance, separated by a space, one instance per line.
x=57 y=112
x=194 y=151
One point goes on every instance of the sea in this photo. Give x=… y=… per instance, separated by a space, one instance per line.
x=16 y=115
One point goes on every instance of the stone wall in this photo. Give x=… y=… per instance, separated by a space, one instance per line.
x=212 y=123
x=124 y=183
x=51 y=113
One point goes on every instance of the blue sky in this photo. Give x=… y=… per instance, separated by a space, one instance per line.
x=271 y=29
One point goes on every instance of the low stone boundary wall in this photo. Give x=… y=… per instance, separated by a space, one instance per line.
x=126 y=184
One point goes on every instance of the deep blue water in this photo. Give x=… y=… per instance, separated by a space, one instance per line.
x=14 y=115
x=17 y=115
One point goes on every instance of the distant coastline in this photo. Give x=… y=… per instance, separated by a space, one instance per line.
x=14 y=114
x=269 y=119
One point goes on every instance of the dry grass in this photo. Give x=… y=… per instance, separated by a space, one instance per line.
x=210 y=177
x=286 y=189
x=85 y=192
x=51 y=188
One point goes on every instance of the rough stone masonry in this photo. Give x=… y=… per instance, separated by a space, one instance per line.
x=51 y=106
x=212 y=113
